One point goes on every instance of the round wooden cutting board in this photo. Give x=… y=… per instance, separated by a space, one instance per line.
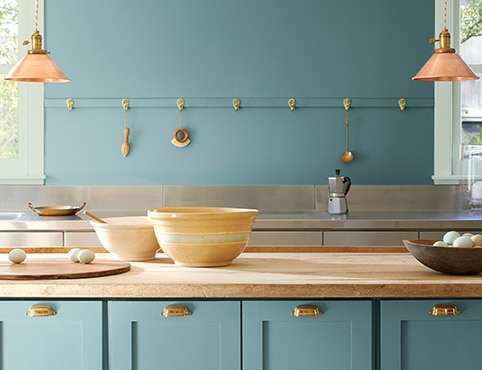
x=40 y=267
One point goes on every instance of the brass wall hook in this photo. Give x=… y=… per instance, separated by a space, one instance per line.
x=70 y=104
x=125 y=104
x=180 y=104
x=347 y=103
x=292 y=104
x=402 y=103
x=236 y=103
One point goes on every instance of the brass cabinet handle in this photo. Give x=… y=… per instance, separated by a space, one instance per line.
x=444 y=310
x=306 y=311
x=169 y=311
x=40 y=311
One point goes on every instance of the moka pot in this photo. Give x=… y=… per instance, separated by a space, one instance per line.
x=338 y=187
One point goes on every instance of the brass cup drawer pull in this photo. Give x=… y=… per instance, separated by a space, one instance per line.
x=444 y=310
x=169 y=311
x=40 y=311
x=306 y=311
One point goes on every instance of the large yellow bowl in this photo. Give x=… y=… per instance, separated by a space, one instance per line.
x=202 y=236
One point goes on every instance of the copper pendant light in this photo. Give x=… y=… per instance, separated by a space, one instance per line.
x=445 y=64
x=36 y=66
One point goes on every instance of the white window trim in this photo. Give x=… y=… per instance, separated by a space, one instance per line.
x=29 y=167
x=449 y=169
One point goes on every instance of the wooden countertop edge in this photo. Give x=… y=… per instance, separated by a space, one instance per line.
x=242 y=292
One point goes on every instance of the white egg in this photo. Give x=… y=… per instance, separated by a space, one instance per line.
x=463 y=241
x=440 y=243
x=17 y=255
x=477 y=239
x=468 y=234
x=86 y=256
x=450 y=236
x=74 y=254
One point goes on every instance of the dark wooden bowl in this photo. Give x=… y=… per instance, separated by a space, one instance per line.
x=449 y=260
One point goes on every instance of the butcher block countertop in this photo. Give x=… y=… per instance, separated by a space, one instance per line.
x=257 y=275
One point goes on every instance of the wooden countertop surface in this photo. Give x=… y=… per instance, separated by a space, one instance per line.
x=260 y=275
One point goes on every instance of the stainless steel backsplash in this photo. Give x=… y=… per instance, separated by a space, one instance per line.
x=265 y=198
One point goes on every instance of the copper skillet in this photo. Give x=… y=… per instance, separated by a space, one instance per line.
x=56 y=210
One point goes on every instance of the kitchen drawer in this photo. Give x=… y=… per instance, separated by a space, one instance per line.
x=287 y=238
x=356 y=238
x=31 y=239
x=81 y=239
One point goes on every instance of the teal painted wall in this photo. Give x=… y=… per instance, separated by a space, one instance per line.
x=153 y=52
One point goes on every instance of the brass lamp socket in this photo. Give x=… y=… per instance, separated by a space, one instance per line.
x=444 y=42
x=37 y=44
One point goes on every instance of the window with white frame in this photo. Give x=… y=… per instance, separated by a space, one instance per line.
x=458 y=105
x=21 y=108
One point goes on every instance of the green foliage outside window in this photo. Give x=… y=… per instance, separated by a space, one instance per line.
x=8 y=89
x=470 y=21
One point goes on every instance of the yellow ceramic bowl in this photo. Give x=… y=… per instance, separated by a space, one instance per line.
x=202 y=236
x=128 y=238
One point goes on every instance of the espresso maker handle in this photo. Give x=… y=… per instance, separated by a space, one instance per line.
x=346 y=184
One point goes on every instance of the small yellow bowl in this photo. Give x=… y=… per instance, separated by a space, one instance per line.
x=128 y=238
x=202 y=236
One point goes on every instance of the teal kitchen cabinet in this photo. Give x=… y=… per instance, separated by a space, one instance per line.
x=53 y=335
x=174 y=335
x=287 y=335
x=412 y=337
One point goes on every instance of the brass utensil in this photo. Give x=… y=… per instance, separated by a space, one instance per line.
x=56 y=210
x=347 y=156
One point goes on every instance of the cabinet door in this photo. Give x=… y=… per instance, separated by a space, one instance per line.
x=143 y=335
x=412 y=338
x=340 y=338
x=69 y=337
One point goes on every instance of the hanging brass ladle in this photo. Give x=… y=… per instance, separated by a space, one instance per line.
x=347 y=156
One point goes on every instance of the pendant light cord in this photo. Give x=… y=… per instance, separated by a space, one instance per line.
x=445 y=14
x=36 y=15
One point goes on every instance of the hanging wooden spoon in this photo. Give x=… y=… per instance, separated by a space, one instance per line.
x=125 y=145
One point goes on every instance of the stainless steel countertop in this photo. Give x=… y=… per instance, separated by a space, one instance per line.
x=279 y=220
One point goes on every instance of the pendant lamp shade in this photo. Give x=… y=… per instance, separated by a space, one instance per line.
x=36 y=66
x=445 y=64
x=445 y=67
